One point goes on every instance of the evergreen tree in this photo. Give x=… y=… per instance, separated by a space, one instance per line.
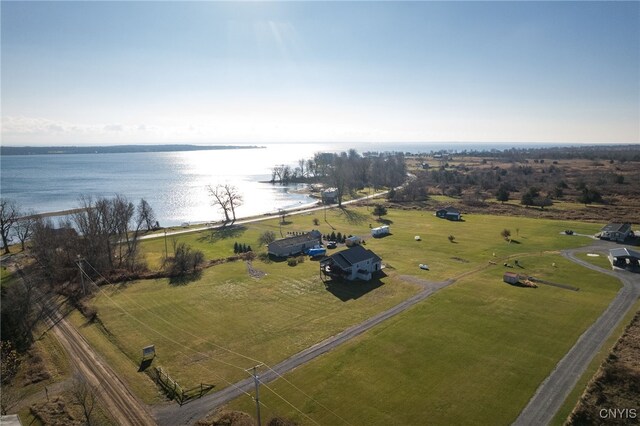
x=235 y=247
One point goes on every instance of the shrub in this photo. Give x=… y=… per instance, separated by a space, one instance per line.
x=451 y=238
x=267 y=237
x=185 y=259
x=300 y=259
x=292 y=261
x=316 y=221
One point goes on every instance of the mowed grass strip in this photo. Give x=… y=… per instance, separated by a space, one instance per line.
x=473 y=353
x=212 y=329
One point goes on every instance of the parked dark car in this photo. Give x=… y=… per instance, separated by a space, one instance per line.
x=568 y=232
x=331 y=245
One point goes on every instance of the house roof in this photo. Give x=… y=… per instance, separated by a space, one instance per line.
x=295 y=240
x=353 y=255
x=616 y=227
x=624 y=252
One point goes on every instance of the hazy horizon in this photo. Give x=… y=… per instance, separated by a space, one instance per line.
x=225 y=73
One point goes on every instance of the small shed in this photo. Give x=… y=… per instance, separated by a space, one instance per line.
x=380 y=231
x=330 y=195
x=449 y=213
x=511 y=278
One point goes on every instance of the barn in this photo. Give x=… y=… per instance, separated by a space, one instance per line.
x=450 y=213
x=351 y=264
x=295 y=245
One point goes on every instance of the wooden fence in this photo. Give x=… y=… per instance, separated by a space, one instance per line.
x=174 y=391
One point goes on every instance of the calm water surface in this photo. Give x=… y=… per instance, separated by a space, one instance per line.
x=174 y=183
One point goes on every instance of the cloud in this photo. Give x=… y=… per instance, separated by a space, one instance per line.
x=114 y=128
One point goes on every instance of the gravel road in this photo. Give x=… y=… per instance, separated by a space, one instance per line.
x=553 y=391
x=115 y=396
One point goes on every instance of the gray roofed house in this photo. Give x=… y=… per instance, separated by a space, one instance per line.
x=353 y=263
x=295 y=245
x=615 y=231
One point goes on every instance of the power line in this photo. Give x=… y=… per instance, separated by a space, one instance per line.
x=214 y=344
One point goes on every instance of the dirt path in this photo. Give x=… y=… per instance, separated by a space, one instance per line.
x=173 y=414
x=553 y=391
x=116 y=397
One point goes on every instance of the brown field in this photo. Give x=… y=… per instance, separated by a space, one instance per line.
x=616 y=385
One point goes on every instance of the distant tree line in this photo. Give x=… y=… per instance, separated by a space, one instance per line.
x=346 y=171
x=508 y=175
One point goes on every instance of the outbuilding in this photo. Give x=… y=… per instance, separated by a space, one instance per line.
x=351 y=264
x=624 y=258
x=449 y=213
x=295 y=245
x=616 y=231
x=511 y=278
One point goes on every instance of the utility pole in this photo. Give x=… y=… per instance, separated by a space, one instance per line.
x=79 y=261
x=165 y=245
x=256 y=381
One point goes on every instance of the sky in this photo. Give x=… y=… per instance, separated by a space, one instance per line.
x=98 y=73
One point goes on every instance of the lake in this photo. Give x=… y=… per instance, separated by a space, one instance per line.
x=174 y=183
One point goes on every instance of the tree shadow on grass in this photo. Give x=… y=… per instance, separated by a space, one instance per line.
x=384 y=221
x=352 y=217
x=232 y=231
x=178 y=280
x=351 y=290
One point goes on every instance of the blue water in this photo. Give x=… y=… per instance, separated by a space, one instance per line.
x=174 y=183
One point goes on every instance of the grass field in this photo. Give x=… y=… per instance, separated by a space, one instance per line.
x=602 y=260
x=267 y=319
x=211 y=329
x=474 y=353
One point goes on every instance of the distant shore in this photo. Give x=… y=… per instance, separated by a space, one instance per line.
x=115 y=149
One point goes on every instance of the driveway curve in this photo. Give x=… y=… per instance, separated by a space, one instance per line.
x=553 y=391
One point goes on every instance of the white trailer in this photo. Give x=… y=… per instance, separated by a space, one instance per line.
x=380 y=231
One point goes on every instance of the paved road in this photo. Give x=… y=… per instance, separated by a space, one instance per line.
x=121 y=404
x=553 y=391
x=173 y=414
x=292 y=212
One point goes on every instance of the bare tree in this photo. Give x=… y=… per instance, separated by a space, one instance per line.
x=267 y=237
x=8 y=217
x=219 y=196
x=227 y=198
x=145 y=215
x=23 y=227
x=85 y=396
x=234 y=197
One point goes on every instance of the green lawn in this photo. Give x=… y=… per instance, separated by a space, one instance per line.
x=211 y=329
x=474 y=353
x=602 y=260
x=265 y=319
